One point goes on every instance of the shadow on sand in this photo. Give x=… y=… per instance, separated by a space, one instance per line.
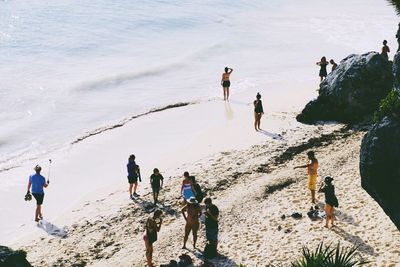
x=272 y=135
x=148 y=206
x=355 y=240
x=52 y=229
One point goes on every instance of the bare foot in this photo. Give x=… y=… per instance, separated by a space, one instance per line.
x=184 y=247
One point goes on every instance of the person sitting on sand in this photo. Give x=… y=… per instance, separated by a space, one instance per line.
x=330 y=200
x=385 y=50
x=258 y=112
x=153 y=226
x=322 y=72
x=187 y=189
x=156 y=181
x=133 y=176
x=225 y=82
x=37 y=182
x=312 y=168
x=193 y=211
x=334 y=65
x=212 y=214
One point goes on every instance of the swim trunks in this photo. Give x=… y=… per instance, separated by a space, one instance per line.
x=226 y=84
x=156 y=189
x=39 y=198
x=312 y=182
x=132 y=179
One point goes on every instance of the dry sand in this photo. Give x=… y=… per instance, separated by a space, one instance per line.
x=108 y=231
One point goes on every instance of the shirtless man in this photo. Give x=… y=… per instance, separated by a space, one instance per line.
x=225 y=82
x=193 y=211
x=312 y=168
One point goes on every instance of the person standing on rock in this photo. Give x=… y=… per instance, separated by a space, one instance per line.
x=133 y=176
x=193 y=211
x=334 y=65
x=187 y=189
x=322 y=72
x=225 y=82
x=312 y=168
x=153 y=226
x=258 y=112
x=385 y=50
x=37 y=182
x=156 y=181
x=330 y=200
x=212 y=220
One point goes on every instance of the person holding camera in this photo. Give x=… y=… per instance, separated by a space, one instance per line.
x=37 y=182
x=153 y=226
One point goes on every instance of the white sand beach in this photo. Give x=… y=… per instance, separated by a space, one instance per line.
x=235 y=165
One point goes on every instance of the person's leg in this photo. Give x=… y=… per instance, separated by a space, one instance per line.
x=134 y=187
x=312 y=196
x=37 y=213
x=188 y=228
x=333 y=216
x=195 y=230
x=154 y=197
x=321 y=78
x=149 y=253
x=255 y=121
x=130 y=189
x=259 y=121
x=327 y=214
x=227 y=93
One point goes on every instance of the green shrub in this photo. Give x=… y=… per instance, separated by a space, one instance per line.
x=328 y=256
x=389 y=106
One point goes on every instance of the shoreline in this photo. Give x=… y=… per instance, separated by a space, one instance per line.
x=249 y=225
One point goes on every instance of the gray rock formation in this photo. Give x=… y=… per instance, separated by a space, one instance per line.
x=396 y=71
x=352 y=91
x=380 y=166
x=13 y=258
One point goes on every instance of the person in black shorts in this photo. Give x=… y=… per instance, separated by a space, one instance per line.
x=331 y=200
x=258 y=112
x=212 y=213
x=133 y=176
x=156 y=181
x=225 y=82
x=37 y=182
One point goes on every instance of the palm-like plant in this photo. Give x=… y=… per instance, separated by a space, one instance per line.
x=328 y=256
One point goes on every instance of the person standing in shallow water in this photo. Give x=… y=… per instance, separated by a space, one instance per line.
x=312 y=168
x=258 y=112
x=385 y=50
x=37 y=182
x=330 y=200
x=334 y=65
x=322 y=72
x=225 y=82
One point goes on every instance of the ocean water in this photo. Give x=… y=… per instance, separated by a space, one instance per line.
x=69 y=67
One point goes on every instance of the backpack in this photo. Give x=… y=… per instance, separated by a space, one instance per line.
x=210 y=251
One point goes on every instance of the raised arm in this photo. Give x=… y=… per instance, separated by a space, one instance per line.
x=230 y=70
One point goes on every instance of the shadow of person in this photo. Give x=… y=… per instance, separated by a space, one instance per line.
x=355 y=240
x=228 y=111
x=274 y=136
x=52 y=229
x=344 y=217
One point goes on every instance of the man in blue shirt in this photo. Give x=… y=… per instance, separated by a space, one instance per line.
x=37 y=182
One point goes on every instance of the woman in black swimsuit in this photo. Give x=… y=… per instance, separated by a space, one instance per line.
x=322 y=72
x=258 y=112
x=330 y=200
x=225 y=82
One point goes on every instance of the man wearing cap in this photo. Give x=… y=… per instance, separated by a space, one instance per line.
x=193 y=211
x=38 y=182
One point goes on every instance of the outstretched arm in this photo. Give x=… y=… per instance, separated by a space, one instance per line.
x=302 y=166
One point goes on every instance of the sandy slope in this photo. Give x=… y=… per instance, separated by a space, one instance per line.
x=250 y=219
